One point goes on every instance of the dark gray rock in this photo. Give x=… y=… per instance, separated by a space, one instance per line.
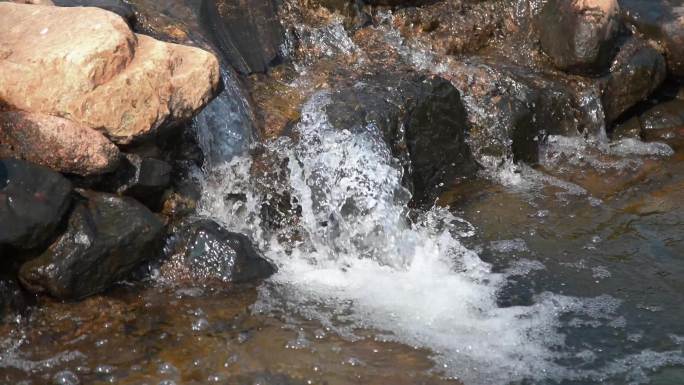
x=12 y=299
x=659 y=20
x=119 y=7
x=142 y=178
x=33 y=201
x=209 y=252
x=106 y=238
x=577 y=39
x=247 y=33
x=421 y=118
x=637 y=70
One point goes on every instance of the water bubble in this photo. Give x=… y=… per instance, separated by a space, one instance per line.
x=104 y=369
x=200 y=324
x=65 y=377
x=167 y=368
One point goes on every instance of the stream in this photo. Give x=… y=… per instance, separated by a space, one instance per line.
x=566 y=272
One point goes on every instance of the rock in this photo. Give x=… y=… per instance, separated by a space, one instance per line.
x=33 y=200
x=395 y=3
x=351 y=10
x=84 y=64
x=453 y=27
x=36 y=2
x=511 y=109
x=637 y=71
x=578 y=35
x=106 y=238
x=669 y=114
x=422 y=119
x=631 y=128
x=660 y=20
x=119 y=7
x=12 y=298
x=200 y=250
x=57 y=143
x=248 y=33
x=170 y=20
x=140 y=177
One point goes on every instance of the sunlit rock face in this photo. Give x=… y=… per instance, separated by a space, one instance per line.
x=98 y=72
x=60 y=144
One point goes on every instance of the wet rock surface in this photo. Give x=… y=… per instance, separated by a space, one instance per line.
x=12 y=299
x=637 y=70
x=119 y=7
x=141 y=177
x=579 y=35
x=202 y=252
x=106 y=238
x=57 y=143
x=247 y=32
x=422 y=120
x=661 y=21
x=33 y=200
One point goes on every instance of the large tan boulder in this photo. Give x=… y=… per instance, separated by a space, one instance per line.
x=57 y=143
x=86 y=65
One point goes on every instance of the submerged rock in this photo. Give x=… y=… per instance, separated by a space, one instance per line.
x=579 y=35
x=201 y=251
x=247 y=32
x=33 y=200
x=106 y=238
x=57 y=143
x=85 y=64
x=637 y=71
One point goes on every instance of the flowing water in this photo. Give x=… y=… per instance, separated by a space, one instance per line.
x=569 y=272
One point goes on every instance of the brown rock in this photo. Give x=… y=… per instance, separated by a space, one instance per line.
x=57 y=143
x=86 y=65
x=662 y=21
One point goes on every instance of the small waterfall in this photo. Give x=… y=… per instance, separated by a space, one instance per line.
x=364 y=261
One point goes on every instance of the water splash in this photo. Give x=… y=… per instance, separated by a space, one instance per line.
x=362 y=264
